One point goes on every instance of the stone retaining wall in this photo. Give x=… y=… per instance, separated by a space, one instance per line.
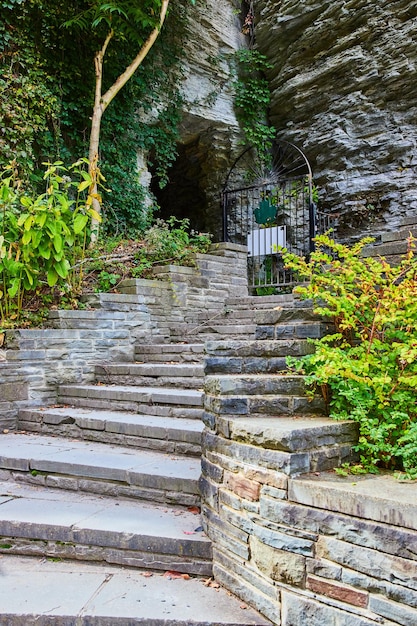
x=302 y=545
x=308 y=550
x=35 y=361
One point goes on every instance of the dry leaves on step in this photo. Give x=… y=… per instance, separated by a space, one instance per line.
x=171 y=575
x=209 y=582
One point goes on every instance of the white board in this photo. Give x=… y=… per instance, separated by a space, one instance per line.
x=262 y=241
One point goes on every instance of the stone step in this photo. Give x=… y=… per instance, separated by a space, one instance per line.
x=259 y=302
x=255 y=384
x=103 y=469
x=168 y=434
x=302 y=443
x=258 y=405
x=292 y=434
x=390 y=249
x=45 y=593
x=163 y=401
x=214 y=328
x=399 y=235
x=184 y=375
x=253 y=353
x=293 y=330
x=259 y=394
x=279 y=315
x=170 y=352
x=67 y=525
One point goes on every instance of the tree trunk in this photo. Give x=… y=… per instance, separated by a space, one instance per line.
x=98 y=111
x=102 y=102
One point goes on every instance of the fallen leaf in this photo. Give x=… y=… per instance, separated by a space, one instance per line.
x=188 y=532
x=243 y=606
x=194 y=509
x=147 y=574
x=171 y=575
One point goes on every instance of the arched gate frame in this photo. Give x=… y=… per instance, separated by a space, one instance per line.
x=269 y=203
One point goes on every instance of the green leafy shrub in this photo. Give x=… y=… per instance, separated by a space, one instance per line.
x=171 y=242
x=366 y=369
x=42 y=236
x=165 y=242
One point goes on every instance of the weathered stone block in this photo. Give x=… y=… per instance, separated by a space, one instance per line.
x=398 y=613
x=298 y=610
x=279 y=565
x=242 y=486
x=370 y=562
x=284 y=540
x=13 y=392
x=337 y=591
x=379 y=536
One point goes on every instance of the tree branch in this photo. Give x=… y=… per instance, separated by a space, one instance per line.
x=131 y=69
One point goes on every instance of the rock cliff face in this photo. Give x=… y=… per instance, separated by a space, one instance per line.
x=210 y=133
x=344 y=88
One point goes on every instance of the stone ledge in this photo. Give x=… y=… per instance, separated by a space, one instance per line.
x=380 y=498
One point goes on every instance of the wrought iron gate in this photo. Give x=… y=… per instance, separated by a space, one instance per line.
x=269 y=203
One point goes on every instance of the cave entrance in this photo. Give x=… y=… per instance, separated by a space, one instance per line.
x=184 y=196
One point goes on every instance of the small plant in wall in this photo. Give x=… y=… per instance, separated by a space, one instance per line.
x=366 y=369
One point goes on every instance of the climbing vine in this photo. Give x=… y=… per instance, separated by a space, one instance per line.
x=252 y=98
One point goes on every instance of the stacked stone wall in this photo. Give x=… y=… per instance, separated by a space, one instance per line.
x=35 y=361
x=291 y=538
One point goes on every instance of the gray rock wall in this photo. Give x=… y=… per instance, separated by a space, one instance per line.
x=344 y=88
x=210 y=133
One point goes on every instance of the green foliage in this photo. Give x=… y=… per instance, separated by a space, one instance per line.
x=165 y=242
x=42 y=236
x=171 y=242
x=46 y=89
x=252 y=98
x=366 y=369
x=107 y=281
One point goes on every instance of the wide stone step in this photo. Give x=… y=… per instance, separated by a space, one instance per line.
x=324 y=443
x=170 y=352
x=50 y=523
x=291 y=434
x=256 y=356
x=293 y=330
x=45 y=593
x=167 y=402
x=257 y=384
x=215 y=328
x=259 y=302
x=167 y=434
x=258 y=394
x=280 y=315
x=99 y=468
x=185 y=375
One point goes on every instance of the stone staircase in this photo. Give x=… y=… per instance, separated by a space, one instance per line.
x=393 y=245
x=110 y=476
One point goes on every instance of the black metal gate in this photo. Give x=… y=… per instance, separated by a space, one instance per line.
x=269 y=203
